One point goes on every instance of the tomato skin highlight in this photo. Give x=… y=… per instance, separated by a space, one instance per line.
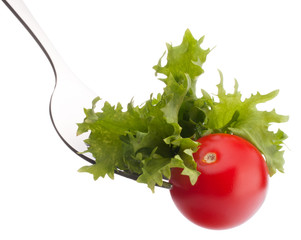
x=231 y=187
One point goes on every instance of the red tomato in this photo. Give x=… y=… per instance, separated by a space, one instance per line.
x=232 y=185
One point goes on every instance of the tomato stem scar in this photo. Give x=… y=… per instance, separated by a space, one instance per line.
x=210 y=158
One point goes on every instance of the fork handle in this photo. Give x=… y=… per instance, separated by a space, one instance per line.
x=22 y=13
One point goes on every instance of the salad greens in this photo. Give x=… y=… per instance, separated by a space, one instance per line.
x=161 y=134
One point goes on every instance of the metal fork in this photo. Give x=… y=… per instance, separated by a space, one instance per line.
x=69 y=94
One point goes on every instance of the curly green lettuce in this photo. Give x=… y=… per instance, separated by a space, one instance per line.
x=232 y=115
x=161 y=134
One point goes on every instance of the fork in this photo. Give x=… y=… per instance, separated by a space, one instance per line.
x=69 y=94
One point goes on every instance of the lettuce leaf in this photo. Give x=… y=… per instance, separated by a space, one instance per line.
x=147 y=140
x=232 y=115
x=150 y=139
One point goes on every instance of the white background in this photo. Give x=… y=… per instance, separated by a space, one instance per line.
x=112 y=46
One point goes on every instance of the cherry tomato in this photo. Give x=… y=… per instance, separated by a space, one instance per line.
x=232 y=185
